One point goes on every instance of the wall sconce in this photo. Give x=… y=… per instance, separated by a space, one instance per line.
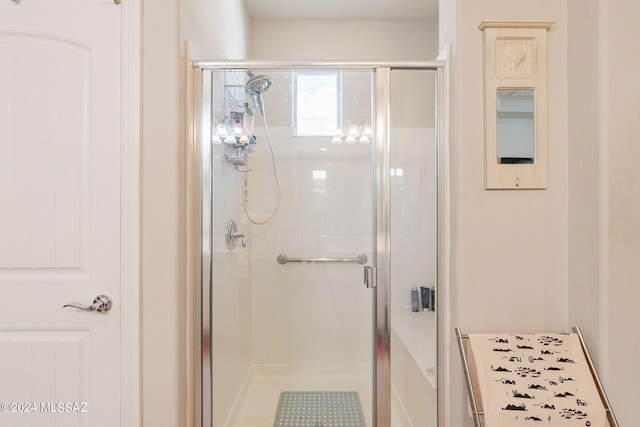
x=232 y=132
x=355 y=133
x=515 y=104
x=337 y=137
x=238 y=141
x=352 y=135
x=237 y=129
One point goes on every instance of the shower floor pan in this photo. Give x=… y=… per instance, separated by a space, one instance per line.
x=258 y=402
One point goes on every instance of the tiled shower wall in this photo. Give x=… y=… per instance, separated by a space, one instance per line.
x=231 y=346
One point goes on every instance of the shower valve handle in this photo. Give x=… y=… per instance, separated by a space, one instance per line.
x=232 y=234
x=235 y=235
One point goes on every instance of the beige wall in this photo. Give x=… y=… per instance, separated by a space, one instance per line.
x=215 y=29
x=166 y=25
x=548 y=260
x=163 y=297
x=619 y=104
x=510 y=248
x=524 y=259
x=604 y=201
x=584 y=175
x=343 y=39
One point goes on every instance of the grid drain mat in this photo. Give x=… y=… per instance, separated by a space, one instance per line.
x=319 y=409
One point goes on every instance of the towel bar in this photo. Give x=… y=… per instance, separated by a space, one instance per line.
x=283 y=259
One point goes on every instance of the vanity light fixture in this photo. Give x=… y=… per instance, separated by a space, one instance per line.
x=355 y=133
x=221 y=130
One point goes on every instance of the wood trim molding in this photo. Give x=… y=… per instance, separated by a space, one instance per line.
x=130 y=213
x=515 y=74
x=444 y=238
x=516 y=24
x=191 y=250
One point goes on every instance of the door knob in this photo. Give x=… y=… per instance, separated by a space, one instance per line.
x=101 y=304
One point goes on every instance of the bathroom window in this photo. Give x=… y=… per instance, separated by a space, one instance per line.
x=319 y=181
x=316 y=110
x=397 y=179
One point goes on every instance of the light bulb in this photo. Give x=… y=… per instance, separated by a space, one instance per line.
x=367 y=131
x=244 y=139
x=363 y=140
x=237 y=129
x=221 y=130
x=350 y=140
x=336 y=140
x=230 y=140
x=216 y=139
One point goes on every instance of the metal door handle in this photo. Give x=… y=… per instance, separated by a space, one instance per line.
x=101 y=304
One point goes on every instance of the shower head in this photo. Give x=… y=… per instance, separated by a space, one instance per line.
x=256 y=85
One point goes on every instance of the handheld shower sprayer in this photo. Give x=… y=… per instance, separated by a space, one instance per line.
x=256 y=86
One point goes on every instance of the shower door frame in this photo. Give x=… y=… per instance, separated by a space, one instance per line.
x=201 y=244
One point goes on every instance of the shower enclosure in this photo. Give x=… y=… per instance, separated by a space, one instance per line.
x=317 y=244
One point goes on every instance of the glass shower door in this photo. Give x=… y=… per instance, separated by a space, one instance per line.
x=413 y=195
x=307 y=177
x=291 y=320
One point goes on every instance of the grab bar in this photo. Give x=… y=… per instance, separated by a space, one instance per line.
x=283 y=259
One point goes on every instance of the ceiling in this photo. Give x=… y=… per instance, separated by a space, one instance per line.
x=343 y=9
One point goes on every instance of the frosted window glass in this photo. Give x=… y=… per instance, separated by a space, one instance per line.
x=316 y=106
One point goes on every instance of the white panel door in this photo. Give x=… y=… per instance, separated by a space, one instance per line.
x=60 y=128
